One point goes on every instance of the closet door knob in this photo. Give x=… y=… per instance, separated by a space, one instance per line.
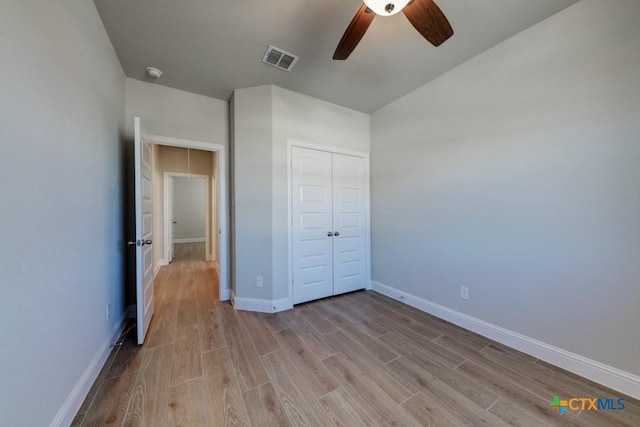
x=336 y=233
x=330 y=234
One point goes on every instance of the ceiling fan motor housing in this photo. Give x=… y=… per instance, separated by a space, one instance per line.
x=386 y=7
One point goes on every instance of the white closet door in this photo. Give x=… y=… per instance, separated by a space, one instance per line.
x=311 y=187
x=349 y=223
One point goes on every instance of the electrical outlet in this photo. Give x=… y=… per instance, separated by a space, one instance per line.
x=258 y=281
x=108 y=311
x=464 y=292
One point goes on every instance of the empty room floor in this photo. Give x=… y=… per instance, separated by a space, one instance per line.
x=359 y=359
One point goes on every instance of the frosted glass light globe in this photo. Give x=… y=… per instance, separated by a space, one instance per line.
x=386 y=7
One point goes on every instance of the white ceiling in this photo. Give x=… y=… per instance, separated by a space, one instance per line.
x=212 y=47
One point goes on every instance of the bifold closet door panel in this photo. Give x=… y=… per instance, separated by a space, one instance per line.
x=311 y=192
x=349 y=221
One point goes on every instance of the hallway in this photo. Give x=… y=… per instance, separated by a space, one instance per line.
x=184 y=252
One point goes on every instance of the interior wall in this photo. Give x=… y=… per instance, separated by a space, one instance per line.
x=61 y=258
x=177 y=160
x=251 y=197
x=516 y=175
x=189 y=208
x=171 y=112
x=265 y=119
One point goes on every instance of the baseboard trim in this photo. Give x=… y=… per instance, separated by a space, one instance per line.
x=72 y=404
x=601 y=373
x=260 y=305
x=161 y=262
x=190 y=240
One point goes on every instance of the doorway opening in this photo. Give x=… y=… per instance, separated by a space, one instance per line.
x=192 y=175
x=190 y=215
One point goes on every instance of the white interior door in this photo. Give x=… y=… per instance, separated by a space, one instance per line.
x=349 y=223
x=312 y=224
x=329 y=227
x=171 y=219
x=144 y=231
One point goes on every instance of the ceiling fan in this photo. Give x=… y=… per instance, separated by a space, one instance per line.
x=424 y=15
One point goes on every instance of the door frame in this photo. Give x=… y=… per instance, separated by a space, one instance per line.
x=337 y=150
x=223 y=202
x=208 y=195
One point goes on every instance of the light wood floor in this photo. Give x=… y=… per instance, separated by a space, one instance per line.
x=359 y=359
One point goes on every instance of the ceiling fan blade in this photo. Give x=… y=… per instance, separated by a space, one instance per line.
x=356 y=29
x=429 y=20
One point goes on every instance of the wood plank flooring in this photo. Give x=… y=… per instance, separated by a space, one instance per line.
x=359 y=359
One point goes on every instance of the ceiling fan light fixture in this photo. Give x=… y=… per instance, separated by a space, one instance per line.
x=386 y=7
x=425 y=16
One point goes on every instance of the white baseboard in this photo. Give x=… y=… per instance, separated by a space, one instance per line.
x=226 y=294
x=161 y=262
x=72 y=404
x=261 y=305
x=609 y=376
x=190 y=240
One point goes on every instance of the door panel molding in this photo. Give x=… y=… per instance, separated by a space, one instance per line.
x=312 y=220
x=349 y=219
x=367 y=215
x=144 y=230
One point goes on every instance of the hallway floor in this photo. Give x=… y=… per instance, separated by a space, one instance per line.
x=189 y=252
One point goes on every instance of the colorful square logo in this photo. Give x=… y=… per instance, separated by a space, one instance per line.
x=559 y=405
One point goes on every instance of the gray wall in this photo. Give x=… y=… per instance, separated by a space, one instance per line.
x=171 y=112
x=189 y=208
x=265 y=119
x=251 y=169
x=516 y=174
x=61 y=258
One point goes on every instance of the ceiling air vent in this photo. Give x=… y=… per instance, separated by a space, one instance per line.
x=279 y=58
